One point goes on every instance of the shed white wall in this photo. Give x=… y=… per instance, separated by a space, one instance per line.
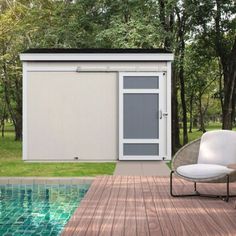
x=74 y=114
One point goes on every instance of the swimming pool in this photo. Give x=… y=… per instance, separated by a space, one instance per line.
x=41 y=210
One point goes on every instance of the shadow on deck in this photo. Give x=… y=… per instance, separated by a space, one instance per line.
x=119 y=205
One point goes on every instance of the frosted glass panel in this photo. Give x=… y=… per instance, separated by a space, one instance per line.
x=141 y=82
x=134 y=149
x=141 y=116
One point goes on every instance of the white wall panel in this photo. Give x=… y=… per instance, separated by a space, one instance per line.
x=72 y=114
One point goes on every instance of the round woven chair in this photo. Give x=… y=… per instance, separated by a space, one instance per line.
x=198 y=156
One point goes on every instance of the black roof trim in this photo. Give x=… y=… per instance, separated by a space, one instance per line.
x=97 y=50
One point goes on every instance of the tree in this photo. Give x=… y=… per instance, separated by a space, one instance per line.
x=172 y=24
x=202 y=76
x=166 y=15
x=217 y=28
x=10 y=70
x=227 y=55
x=182 y=21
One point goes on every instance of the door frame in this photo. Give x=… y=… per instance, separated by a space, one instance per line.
x=162 y=122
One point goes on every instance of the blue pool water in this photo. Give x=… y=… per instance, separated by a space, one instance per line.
x=41 y=210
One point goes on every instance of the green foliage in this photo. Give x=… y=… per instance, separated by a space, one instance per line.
x=202 y=79
x=188 y=27
x=205 y=17
x=136 y=33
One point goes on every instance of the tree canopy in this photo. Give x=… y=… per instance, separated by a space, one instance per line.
x=202 y=35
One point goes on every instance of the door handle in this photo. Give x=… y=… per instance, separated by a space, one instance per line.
x=162 y=114
x=165 y=114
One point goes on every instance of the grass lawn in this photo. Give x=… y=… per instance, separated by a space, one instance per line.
x=11 y=163
x=197 y=134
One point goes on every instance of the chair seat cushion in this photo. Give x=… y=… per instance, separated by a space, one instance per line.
x=202 y=171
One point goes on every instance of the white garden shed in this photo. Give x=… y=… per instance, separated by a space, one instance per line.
x=96 y=104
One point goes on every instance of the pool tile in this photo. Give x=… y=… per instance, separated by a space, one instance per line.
x=38 y=209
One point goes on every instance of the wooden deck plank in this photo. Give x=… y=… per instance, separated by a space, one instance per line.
x=219 y=224
x=141 y=217
x=198 y=214
x=153 y=221
x=143 y=206
x=83 y=223
x=130 y=211
x=95 y=223
x=70 y=226
x=178 y=203
x=162 y=212
x=187 y=212
x=169 y=206
x=119 y=217
x=218 y=208
x=106 y=227
x=230 y=210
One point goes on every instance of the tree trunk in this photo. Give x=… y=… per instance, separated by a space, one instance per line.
x=228 y=62
x=18 y=109
x=182 y=92
x=201 y=116
x=195 y=122
x=220 y=87
x=181 y=52
x=190 y=114
x=3 y=121
x=175 y=118
x=163 y=21
x=229 y=69
x=15 y=114
x=234 y=106
x=18 y=129
x=167 y=22
x=3 y=128
x=229 y=84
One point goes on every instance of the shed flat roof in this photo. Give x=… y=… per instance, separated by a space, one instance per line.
x=97 y=50
x=96 y=54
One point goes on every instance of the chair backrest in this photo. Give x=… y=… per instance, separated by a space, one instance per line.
x=218 y=147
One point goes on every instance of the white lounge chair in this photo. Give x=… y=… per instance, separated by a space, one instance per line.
x=205 y=160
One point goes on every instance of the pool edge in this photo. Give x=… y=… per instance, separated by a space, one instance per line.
x=46 y=180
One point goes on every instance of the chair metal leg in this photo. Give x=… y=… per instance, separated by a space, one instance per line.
x=196 y=193
x=227 y=188
x=181 y=195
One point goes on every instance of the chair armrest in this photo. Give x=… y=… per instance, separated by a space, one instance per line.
x=186 y=155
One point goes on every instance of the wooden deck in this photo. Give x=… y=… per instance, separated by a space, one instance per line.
x=142 y=206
